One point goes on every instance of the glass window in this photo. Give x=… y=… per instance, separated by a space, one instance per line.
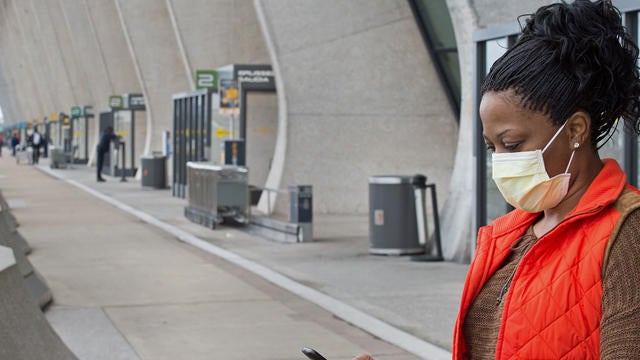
x=494 y=49
x=614 y=148
x=496 y=206
x=437 y=28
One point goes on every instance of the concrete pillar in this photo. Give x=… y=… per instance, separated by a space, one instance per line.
x=468 y=16
x=458 y=209
x=114 y=60
x=361 y=98
x=156 y=57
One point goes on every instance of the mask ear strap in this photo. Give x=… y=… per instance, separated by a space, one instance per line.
x=570 y=160
x=555 y=136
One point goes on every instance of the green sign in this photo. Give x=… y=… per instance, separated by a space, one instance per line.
x=76 y=111
x=206 y=79
x=116 y=102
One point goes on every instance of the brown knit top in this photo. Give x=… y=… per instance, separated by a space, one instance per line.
x=620 y=325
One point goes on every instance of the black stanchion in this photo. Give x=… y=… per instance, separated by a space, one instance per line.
x=122 y=145
x=420 y=186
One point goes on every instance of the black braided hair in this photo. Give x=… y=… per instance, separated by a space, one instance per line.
x=574 y=57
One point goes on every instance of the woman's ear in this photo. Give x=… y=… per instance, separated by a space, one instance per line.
x=579 y=129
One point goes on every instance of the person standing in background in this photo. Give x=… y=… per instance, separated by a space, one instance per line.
x=15 y=141
x=102 y=148
x=35 y=140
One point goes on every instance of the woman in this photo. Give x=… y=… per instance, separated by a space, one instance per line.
x=558 y=277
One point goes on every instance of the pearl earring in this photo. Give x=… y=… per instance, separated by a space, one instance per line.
x=576 y=145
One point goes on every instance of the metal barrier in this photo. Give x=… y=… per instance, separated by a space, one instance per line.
x=217 y=193
x=299 y=227
x=270 y=190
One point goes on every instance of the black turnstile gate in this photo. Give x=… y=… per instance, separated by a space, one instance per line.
x=191 y=134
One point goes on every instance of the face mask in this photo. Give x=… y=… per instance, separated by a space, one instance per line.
x=522 y=179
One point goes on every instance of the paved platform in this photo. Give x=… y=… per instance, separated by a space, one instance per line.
x=131 y=274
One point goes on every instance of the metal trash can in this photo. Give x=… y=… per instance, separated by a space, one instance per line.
x=154 y=171
x=393 y=229
x=58 y=160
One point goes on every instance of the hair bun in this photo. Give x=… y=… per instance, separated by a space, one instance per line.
x=583 y=34
x=574 y=56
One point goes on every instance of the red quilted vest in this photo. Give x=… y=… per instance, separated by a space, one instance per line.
x=552 y=309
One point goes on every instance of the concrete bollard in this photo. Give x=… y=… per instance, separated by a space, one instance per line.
x=9 y=221
x=25 y=332
x=10 y=238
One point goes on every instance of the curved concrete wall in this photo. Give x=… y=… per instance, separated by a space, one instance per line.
x=156 y=58
x=211 y=34
x=26 y=20
x=215 y=33
x=7 y=96
x=362 y=99
x=68 y=82
x=91 y=66
x=114 y=58
x=17 y=69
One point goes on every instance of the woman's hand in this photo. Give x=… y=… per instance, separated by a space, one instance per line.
x=363 y=357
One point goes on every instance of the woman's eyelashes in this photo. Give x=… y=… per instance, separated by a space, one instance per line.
x=511 y=147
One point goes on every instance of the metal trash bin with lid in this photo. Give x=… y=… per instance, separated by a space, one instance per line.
x=393 y=228
x=154 y=171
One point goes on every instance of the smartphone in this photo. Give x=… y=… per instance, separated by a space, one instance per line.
x=312 y=354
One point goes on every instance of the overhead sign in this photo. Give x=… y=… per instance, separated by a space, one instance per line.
x=54 y=117
x=116 y=102
x=76 y=112
x=260 y=76
x=206 y=79
x=88 y=111
x=134 y=102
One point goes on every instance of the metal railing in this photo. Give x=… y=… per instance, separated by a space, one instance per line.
x=269 y=190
